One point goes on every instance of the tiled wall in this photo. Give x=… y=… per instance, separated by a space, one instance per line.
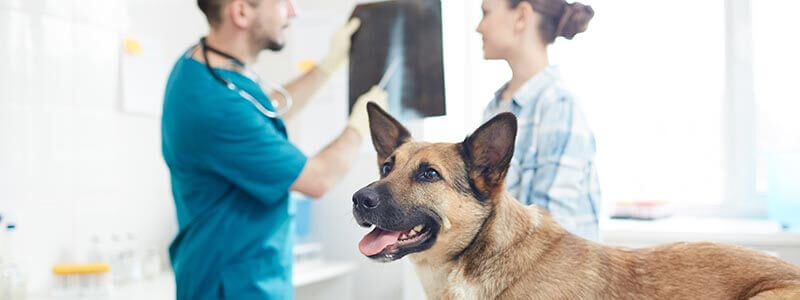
x=72 y=164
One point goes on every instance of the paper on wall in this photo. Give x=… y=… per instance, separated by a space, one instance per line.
x=144 y=71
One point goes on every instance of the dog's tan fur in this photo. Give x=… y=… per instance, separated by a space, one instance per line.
x=497 y=248
x=524 y=254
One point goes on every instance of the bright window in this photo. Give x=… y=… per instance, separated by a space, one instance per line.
x=776 y=67
x=650 y=75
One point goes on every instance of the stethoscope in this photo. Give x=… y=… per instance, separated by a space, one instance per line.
x=252 y=75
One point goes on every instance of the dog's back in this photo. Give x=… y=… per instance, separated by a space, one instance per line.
x=571 y=267
x=713 y=270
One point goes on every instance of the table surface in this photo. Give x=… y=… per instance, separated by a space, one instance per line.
x=162 y=286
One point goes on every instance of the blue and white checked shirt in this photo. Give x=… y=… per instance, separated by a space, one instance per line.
x=553 y=163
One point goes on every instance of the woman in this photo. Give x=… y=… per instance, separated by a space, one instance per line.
x=553 y=164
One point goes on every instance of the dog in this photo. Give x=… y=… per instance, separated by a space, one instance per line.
x=444 y=206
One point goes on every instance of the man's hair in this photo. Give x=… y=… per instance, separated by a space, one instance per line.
x=213 y=9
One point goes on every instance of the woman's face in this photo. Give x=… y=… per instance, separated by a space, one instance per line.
x=498 y=28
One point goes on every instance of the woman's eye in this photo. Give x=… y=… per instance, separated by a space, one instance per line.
x=386 y=168
x=430 y=175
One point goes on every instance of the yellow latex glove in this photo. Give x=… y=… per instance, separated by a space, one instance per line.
x=359 y=120
x=339 y=51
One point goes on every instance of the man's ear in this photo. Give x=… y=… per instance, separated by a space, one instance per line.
x=487 y=154
x=387 y=133
x=239 y=12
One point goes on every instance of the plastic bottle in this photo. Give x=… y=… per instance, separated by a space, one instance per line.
x=99 y=284
x=66 y=286
x=95 y=253
x=13 y=281
x=134 y=266
x=3 y=245
x=118 y=260
x=151 y=263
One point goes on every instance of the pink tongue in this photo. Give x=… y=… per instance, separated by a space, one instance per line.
x=374 y=242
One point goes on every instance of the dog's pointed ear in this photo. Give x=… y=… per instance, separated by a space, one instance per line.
x=387 y=133
x=487 y=153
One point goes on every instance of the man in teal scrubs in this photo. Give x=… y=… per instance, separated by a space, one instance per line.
x=232 y=166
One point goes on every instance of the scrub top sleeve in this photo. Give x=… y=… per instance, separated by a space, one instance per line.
x=251 y=154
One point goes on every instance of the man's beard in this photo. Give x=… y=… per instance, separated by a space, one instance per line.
x=264 y=42
x=274 y=45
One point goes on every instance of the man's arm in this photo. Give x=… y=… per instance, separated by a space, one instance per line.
x=302 y=90
x=329 y=166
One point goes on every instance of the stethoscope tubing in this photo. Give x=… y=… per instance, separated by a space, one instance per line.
x=244 y=94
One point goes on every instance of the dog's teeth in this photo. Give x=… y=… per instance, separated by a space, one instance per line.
x=403 y=236
x=418 y=228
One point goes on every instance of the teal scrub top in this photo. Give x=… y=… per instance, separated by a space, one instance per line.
x=231 y=169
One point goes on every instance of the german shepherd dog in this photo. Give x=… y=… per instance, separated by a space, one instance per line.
x=444 y=205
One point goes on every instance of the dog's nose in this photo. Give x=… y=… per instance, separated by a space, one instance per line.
x=366 y=198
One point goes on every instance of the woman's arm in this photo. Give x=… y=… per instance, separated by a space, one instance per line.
x=559 y=180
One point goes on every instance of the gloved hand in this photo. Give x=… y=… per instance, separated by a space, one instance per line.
x=359 y=120
x=340 y=47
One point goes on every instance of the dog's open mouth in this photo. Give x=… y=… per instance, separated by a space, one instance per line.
x=382 y=243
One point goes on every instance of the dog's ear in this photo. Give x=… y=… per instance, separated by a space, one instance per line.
x=487 y=154
x=387 y=133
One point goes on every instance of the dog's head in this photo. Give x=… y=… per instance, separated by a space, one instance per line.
x=432 y=198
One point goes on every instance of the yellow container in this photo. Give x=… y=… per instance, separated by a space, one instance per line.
x=72 y=269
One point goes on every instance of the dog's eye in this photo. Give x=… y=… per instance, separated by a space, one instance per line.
x=386 y=168
x=429 y=175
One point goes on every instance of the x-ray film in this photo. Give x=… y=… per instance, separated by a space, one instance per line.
x=408 y=34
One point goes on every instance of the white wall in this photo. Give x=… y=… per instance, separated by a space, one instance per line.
x=73 y=164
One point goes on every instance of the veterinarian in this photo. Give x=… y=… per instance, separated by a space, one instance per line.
x=229 y=158
x=553 y=164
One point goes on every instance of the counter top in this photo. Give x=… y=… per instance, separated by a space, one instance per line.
x=163 y=285
x=735 y=231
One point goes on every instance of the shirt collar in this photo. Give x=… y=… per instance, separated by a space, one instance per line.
x=531 y=88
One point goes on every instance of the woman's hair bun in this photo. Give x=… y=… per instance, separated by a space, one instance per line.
x=575 y=19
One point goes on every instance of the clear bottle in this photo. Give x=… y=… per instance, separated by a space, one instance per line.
x=13 y=281
x=66 y=286
x=3 y=245
x=99 y=284
x=134 y=266
x=118 y=260
x=95 y=253
x=151 y=263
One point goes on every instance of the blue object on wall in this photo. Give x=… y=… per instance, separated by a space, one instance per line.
x=302 y=217
x=783 y=184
